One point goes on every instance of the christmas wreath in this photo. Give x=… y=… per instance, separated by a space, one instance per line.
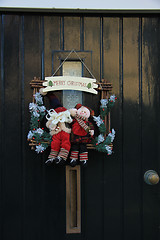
x=102 y=143
x=42 y=139
x=36 y=133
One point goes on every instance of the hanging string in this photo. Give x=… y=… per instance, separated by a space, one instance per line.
x=63 y=62
x=81 y=62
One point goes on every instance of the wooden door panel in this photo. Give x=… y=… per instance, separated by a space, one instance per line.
x=32 y=164
x=112 y=172
x=72 y=33
x=150 y=123
x=11 y=185
x=53 y=40
x=131 y=130
x=116 y=203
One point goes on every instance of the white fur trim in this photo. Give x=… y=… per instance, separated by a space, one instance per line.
x=58 y=117
x=60 y=127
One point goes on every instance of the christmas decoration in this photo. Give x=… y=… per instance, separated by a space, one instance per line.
x=106 y=105
x=57 y=120
x=82 y=133
x=37 y=134
x=102 y=143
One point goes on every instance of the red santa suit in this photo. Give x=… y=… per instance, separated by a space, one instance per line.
x=60 y=145
x=79 y=137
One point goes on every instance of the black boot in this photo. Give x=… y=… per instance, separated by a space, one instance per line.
x=73 y=162
x=83 y=163
x=50 y=161
x=60 y=161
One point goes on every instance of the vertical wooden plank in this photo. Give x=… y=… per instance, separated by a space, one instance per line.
x=150 y=123
x=11 y=159
x=72 y=33
x=113 y=191
x=92 y=183
x=92 y=42
x=92 y=37
x=33 y=164
x=131 y=130
x=54 y=176
x=53 y=29
x=2 y=122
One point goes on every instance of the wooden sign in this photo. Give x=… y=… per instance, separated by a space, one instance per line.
x=70 y=83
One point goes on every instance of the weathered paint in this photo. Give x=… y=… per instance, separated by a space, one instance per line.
x=116 y=203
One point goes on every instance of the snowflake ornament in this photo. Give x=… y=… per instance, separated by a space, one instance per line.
x=38 y=98
x=42 y=109
x=109 y=149
x=100 y=138
x=104 y=102
x=36 y=114
x=30 y=135
x=32 y=107
x=98 y=120
x=39 y=131
x=112 y=98
x=112 y=135
x=39 y=149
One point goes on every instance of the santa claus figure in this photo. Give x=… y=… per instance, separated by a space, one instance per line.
x=82 y=133
x=58 y=122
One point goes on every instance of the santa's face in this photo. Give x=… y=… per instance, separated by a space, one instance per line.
x=83 y=112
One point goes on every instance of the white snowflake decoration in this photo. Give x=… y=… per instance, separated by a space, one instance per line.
x=98 y=120
x=100 y=138
x=39 y=149
x=33 y=107
x=42 y=108
x=39 y=131
x=38 y=98
x=112 y=135
x=112 y=98
x=109 y=149
x=104 y=102
x=30 y=135
x=36 y=114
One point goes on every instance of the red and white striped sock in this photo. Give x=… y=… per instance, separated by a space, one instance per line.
x=74 y=155
x=53 y=154
x=63 y=153
x=83 y=156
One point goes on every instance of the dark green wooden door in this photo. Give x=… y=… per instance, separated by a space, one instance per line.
x=116 y=203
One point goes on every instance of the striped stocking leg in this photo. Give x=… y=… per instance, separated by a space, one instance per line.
x=74 y=155
x=63 y=153
x=53 y=154
x=51 y=158
x=83 y=156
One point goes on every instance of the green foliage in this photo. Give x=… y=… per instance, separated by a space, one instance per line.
x=102 y=129
x=37 y=133
x=103 y=145
x=103 y=111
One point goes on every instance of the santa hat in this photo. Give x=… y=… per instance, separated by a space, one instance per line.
x=54 y=101
x=80 y=105
x=60 y=109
